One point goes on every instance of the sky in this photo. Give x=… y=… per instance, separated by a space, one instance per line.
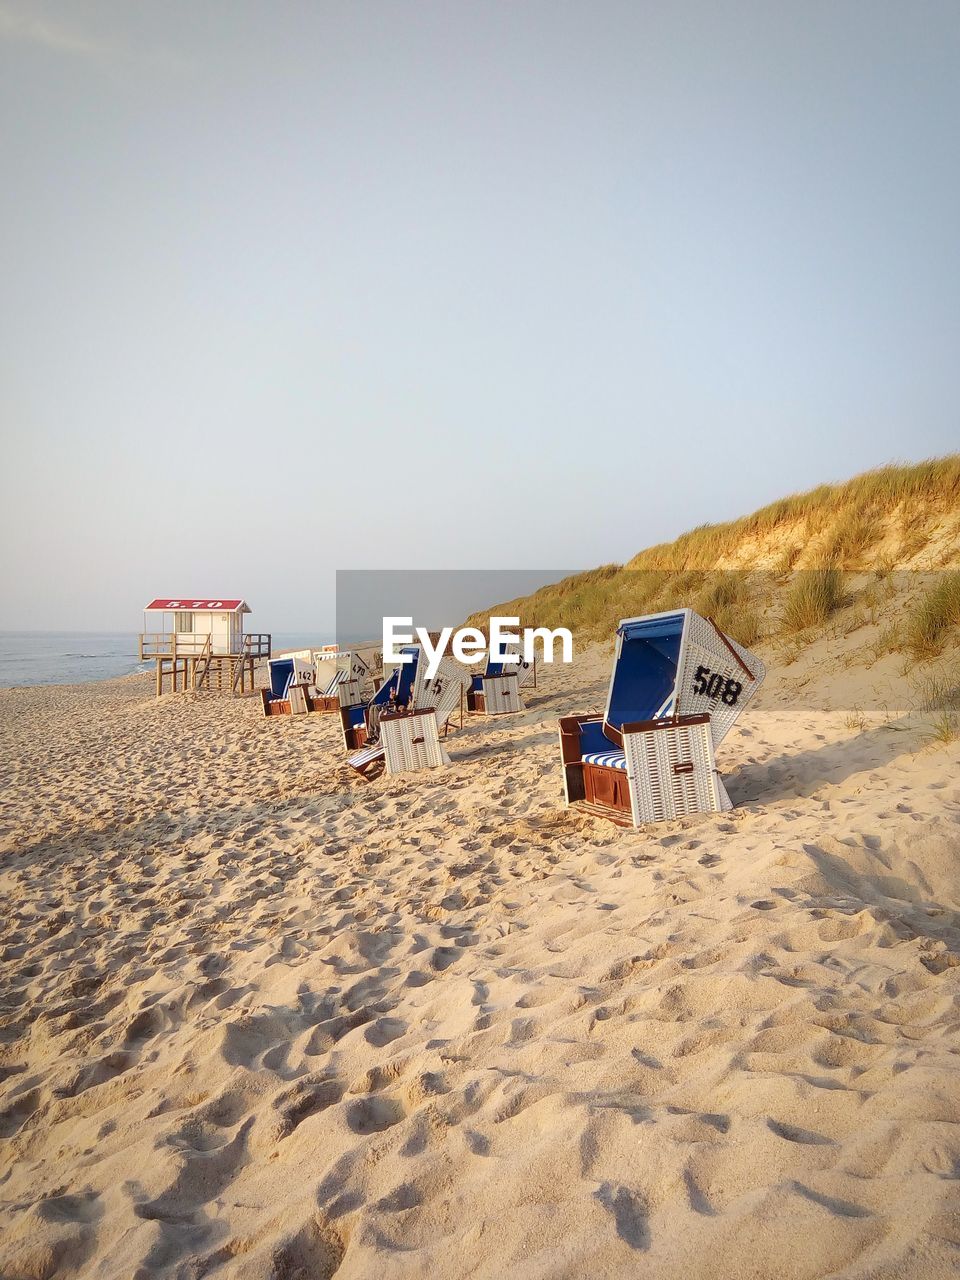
x=289 y=288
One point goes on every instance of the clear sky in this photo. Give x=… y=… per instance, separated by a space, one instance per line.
x=291 y=287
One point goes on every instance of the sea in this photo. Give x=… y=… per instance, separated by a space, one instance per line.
x=74 y=657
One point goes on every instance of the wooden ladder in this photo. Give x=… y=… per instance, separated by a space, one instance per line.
x=238 y=667
x=201 y=669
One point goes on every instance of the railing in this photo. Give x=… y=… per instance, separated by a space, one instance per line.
x=257 y=644
x=189 y=644
x=172 y=644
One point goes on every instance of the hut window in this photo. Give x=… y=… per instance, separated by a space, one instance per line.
x=184 y=622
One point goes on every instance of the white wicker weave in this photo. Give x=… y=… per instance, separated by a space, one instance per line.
x=443 y=693
x=501 y=694
x=348 y=691
x=298 y=700
x=412 y=742
x=347 y=665
x=526 y=672
x=706 y=650
x=672 y=772
x=304 y=669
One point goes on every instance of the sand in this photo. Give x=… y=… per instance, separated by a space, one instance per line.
x=263 y=1019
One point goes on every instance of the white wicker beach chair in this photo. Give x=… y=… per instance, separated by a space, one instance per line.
x=343 y=686
x=288 y=672
x=360 y=723
x=497 y=691
x=678 y=686
x=441 y=696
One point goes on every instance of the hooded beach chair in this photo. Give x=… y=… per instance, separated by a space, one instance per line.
x=409 y=722
x=343 y=685
x=677 y=688
x=361 y=724
x=497 y=691
x=291 y=676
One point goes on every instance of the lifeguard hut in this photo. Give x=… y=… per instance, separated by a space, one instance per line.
x=202 y=644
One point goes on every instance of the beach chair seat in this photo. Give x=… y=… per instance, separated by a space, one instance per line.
x=606 y=759
x=677 y=688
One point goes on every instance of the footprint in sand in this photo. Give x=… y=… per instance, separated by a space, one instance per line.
x=791 y=1133
x=308 y=1097
x=13 y=1117
x=384 y=1031
x=373 y=1115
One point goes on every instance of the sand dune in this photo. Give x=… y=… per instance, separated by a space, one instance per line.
x=263 y=1019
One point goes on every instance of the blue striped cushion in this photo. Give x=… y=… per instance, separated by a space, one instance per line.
x=610 y=759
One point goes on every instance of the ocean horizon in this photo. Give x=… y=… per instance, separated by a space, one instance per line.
x=76 y=657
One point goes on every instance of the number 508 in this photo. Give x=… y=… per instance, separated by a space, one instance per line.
x=713 y=684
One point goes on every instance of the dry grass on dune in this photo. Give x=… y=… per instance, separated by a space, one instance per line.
x=847 y=518
x=789 y=568
x=933 y=619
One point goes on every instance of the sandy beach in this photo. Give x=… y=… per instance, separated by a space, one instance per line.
x=261 y=1018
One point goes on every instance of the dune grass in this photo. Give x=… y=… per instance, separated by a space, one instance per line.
x=812 y=598
x=937 y=614
x=849 y=540
x=831 y=528
x=937 y=692
x=850 y=512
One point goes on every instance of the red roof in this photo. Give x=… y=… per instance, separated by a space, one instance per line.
x=187 y=604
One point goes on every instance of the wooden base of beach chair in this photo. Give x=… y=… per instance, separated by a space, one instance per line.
x=274 y=706
x=323 y=703
x=607 y=789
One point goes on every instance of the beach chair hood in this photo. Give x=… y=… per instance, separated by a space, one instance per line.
x=644 y=677
x=678 y=663
x=398 y=686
